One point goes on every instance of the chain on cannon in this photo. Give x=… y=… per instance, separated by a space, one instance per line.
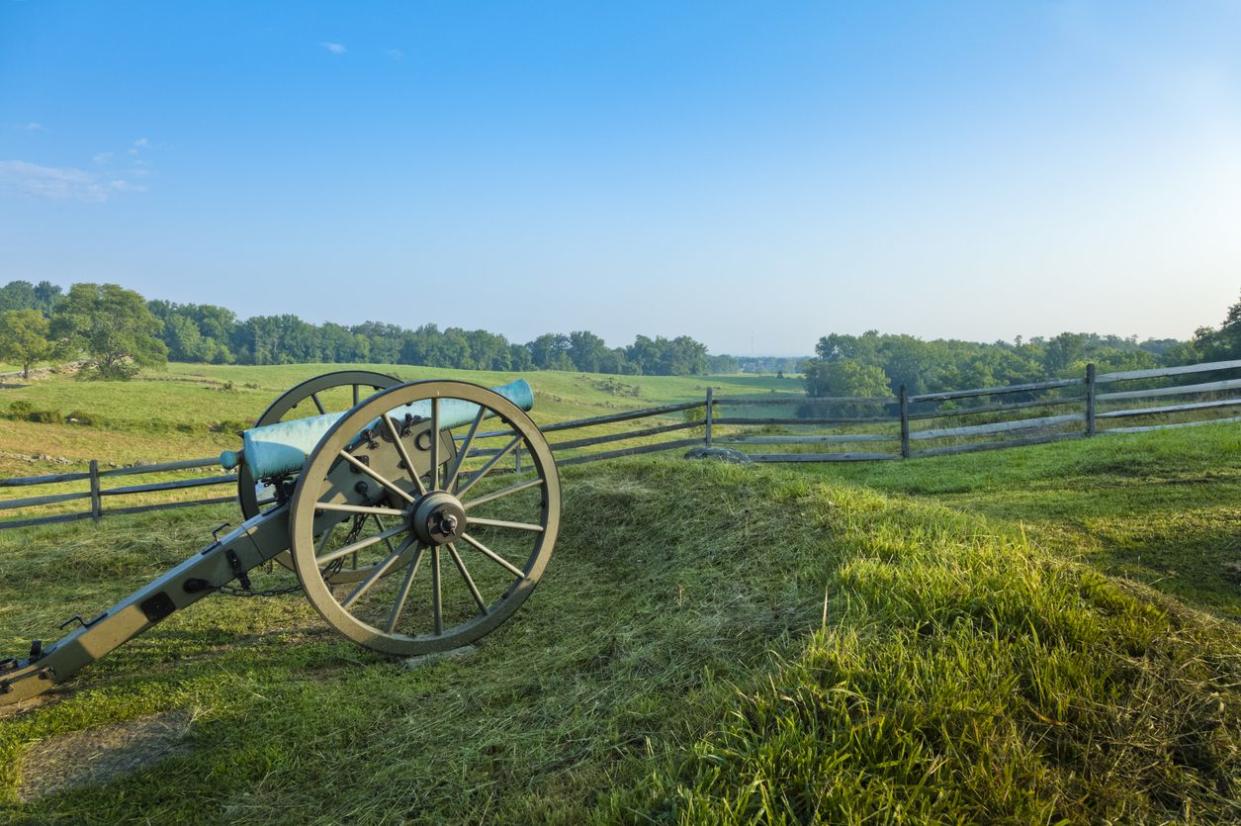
x=358 y=503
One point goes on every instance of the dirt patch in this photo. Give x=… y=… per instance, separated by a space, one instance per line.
x=30 y=704
x=101 y=754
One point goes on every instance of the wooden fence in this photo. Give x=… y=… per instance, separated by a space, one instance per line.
x=803 y=429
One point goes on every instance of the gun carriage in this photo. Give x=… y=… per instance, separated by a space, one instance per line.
x=357 y=503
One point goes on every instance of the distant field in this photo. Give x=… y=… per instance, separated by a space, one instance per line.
x=191 y=410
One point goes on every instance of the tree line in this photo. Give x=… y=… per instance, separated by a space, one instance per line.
x=118 y=331
x=876 y=364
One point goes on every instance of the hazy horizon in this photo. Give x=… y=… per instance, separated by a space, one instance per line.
x=752 y=176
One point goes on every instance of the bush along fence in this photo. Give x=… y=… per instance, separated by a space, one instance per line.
x=784 y=428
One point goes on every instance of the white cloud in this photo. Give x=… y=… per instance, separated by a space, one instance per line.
x=137 y=146
x=60 y=183
x=334 y=48
x=121 y=185
x=396 y=54
x=102 y=157
x=33 y=127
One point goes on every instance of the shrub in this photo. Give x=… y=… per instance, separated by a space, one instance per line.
x=80 y=417
x=45 y=417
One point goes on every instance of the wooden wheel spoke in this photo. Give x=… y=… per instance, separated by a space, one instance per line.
x=500 y=494
x=354 y=547
x=493 y=556
x=323 y=540
x=469 y=580
x=402 y=593
x=478 y=477
x=314 y=397
x=379 y=524
x=435 y=443
x=380 y=570
x=437 y=597
x=465 y=448
x=355 y=395
x=365 y=468
x=502 y=523
x=400 y=449
x=341 y=507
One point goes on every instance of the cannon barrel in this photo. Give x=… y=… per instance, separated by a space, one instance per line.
x=275 y=449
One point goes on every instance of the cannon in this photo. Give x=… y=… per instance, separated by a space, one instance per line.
x=357 y=503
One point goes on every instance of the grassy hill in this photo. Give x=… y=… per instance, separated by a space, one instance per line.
x=1162 y=508
x=935 y=641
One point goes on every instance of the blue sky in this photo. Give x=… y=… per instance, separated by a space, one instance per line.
x=755 y=175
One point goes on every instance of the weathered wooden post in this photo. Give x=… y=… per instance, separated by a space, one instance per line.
x=96 y=503
x=904 y=423
x=1090 y=399
x=710 y=415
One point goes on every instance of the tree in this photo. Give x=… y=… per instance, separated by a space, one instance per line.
x=112 y=326
x=844 y=377
x=550 y=351
x=1224 y=343
x=1062 y=351
x=18 y=295
x=24 y=338
x=587 y=351
x=46 y=294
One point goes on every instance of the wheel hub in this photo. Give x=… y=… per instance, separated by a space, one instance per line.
x=437 y=518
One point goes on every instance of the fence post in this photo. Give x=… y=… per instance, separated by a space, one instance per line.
x=1090 y=399
x=710 y=415
x=96 y=503
x=904 y=423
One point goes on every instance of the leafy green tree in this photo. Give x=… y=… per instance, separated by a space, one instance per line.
x=1224 y=343
x=520 y=357
x=112 y=326
x=550 y=351
x=18 y=295
x=1062 y=351
x=587 y=351
x=844 y=377
x=24 y=338
x=46 y=294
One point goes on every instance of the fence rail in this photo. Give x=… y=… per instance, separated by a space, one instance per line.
x=891 y=424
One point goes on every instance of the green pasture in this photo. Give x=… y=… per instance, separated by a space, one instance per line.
x=1039 y=635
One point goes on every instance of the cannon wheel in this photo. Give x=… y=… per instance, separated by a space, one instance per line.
x=438 y=518
x=364 y=384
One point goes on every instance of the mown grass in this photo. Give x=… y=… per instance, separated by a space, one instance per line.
x=1161 y=508
x=679 y=663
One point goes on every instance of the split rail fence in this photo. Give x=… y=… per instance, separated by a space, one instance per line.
x=785 y=428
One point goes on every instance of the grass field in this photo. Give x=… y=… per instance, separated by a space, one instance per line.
x=1162 y=508
x=959 y=639
x=191 y=410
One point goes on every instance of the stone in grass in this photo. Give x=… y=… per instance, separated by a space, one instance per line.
x=430 y=659
x=723 y=454
x=100 y=754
